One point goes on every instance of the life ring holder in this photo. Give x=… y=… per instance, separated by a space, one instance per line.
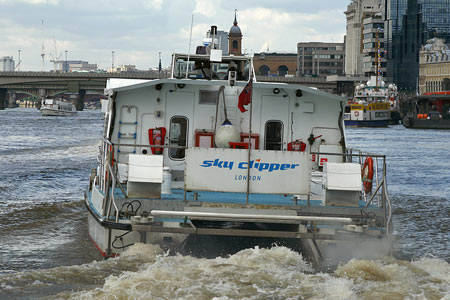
x=367 y=174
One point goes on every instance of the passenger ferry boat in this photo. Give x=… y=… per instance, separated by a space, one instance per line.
x=51 y=107
x=199 y=163
x=428 y=111
x=373 y=105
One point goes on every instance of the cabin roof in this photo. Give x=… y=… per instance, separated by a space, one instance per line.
x=429 y=98
x=121 y=85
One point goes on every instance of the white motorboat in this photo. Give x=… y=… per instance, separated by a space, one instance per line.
x=198 y=162
x=52 y=107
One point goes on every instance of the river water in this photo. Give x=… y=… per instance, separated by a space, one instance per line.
x=45 y=253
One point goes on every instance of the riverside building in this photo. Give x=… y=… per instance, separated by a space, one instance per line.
x=434 y=67
x=318 y=59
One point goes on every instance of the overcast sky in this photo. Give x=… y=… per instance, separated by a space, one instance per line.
x=137 y=30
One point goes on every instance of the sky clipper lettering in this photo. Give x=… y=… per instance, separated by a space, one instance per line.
x=217 y=163
x=254 y=164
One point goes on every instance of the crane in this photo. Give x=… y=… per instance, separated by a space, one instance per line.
x=55 y=57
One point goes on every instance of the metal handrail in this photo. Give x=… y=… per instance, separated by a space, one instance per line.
x=150 y=146
x=382 y=183
x=374 y=193
x=389 y=209
x=113 y=179
x=350 y=153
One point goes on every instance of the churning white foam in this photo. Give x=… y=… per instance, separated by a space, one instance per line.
x=145 y=272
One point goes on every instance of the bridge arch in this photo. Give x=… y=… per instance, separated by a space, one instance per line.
x=25 y=93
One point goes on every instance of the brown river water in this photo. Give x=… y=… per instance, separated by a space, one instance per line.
x=45 y=252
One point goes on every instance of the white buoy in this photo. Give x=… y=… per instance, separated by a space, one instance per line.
x=226 y=133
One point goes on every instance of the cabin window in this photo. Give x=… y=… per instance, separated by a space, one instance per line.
x=178 y=136
x=273 y=135
x=208 y=97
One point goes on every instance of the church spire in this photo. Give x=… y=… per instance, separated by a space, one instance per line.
x=235 y=37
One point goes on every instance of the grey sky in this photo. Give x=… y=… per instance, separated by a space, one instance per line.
x=137 y=30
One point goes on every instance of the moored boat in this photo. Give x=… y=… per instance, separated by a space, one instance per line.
x=200 y=161
x=373 y=105
x=428 y=111
x=52 y=107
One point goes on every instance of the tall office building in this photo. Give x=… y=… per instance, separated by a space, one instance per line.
x=373 y=53
x=7 y=64
x=410 y=23
x=357 y=11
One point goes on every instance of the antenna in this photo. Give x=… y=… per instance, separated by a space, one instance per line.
x=42 y=52
x=189 y=51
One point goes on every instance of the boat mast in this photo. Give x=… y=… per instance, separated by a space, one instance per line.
x=376 y=58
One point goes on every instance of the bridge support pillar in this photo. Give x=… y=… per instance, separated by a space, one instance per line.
x=79 y=101
x=3 y=93
x=12 y=100
x=42 y=94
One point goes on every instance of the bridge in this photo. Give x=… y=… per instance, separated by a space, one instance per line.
x=49 y=84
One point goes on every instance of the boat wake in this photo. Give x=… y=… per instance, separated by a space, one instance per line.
x=145 y=272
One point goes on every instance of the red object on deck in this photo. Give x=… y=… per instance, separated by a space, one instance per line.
x=254 y=137
x=204 y=139
x=236 y=145
x=156 y=137
x=296 y=146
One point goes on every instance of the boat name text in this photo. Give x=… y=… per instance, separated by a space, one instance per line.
x=254 y=164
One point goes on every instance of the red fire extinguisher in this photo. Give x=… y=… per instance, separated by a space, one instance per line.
x=297 y=145
x=156 y=137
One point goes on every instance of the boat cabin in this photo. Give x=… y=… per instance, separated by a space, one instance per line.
x=180 y=113
x=430 y=110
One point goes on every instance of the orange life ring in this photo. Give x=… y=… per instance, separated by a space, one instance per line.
x=367 y=174
x=356 y=113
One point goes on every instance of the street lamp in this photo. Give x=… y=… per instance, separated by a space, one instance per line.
x=112 y=64
x=66 y=67
x=18 y=63
x=159 y=68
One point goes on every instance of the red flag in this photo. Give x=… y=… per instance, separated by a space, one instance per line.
x=245 y=97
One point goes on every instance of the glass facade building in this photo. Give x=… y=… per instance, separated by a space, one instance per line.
x=409 y=24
